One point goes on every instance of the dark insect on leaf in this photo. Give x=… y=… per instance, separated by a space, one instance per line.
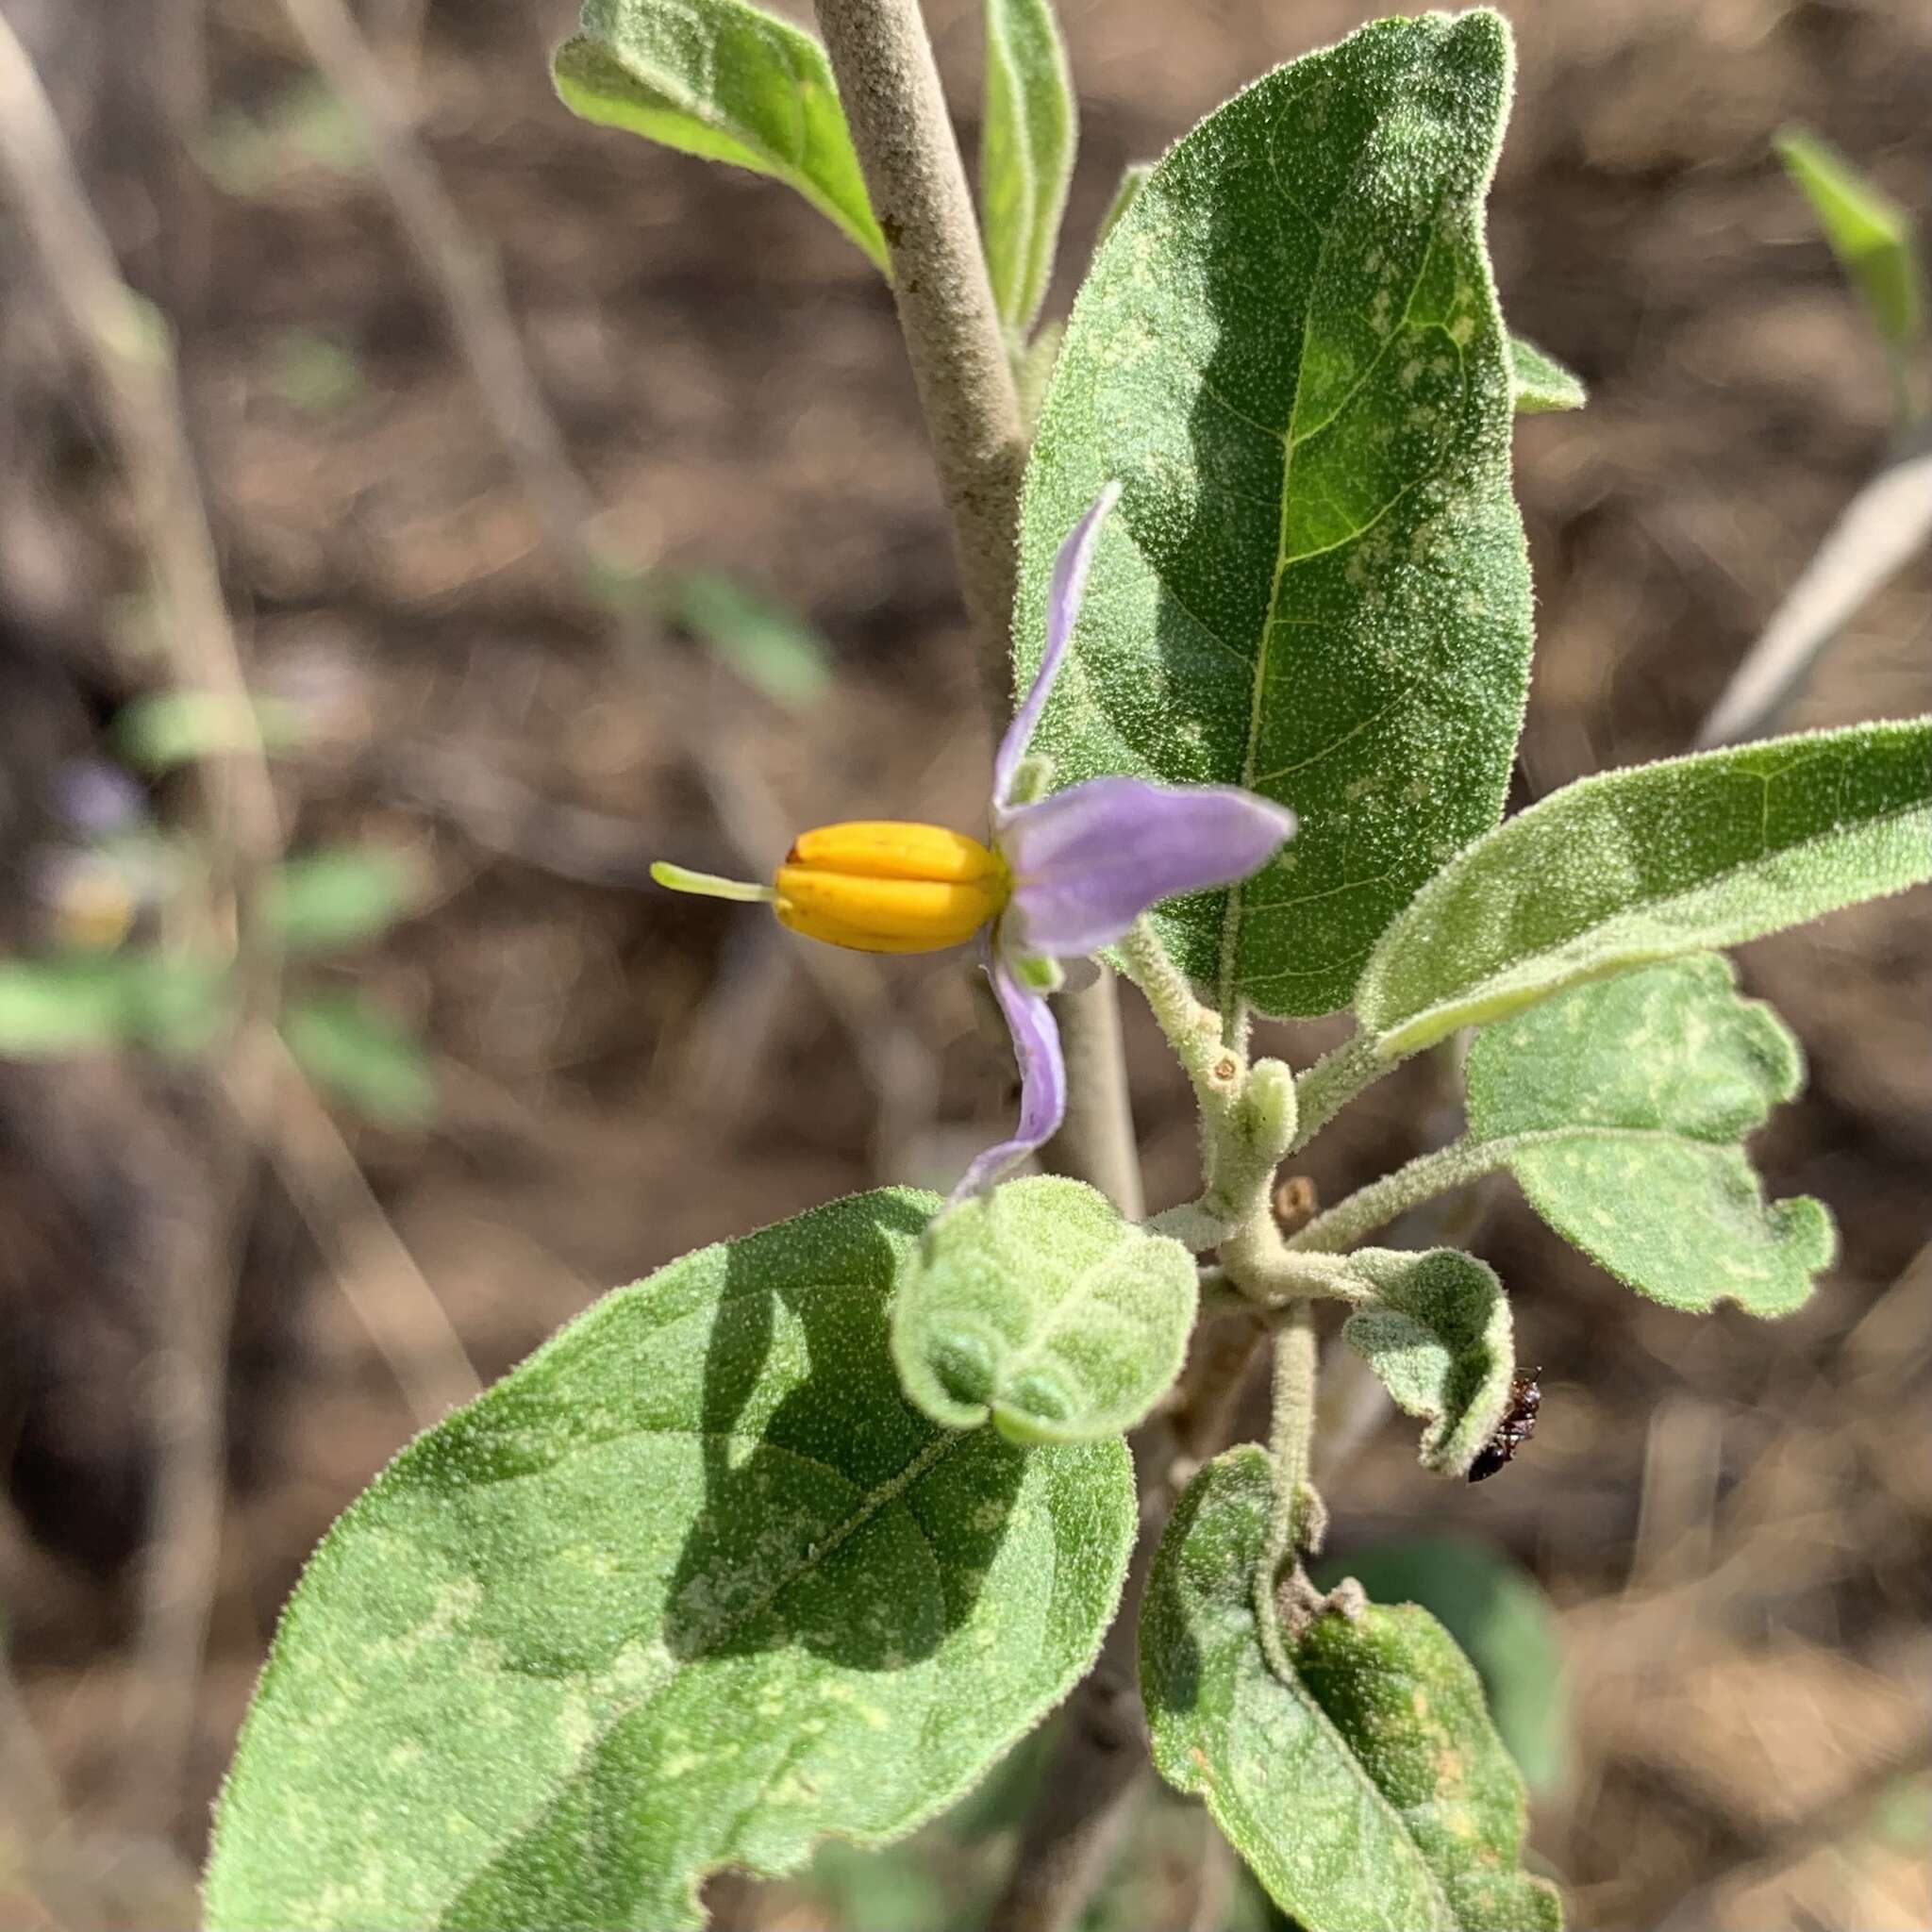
x=1517 y=1426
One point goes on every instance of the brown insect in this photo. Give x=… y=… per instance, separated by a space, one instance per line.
x=1517 y=1426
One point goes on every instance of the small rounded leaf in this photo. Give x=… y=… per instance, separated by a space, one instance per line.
x=1621 y=1109
x=1037 y=1307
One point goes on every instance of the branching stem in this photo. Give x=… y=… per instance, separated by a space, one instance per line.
x=1358 y=1215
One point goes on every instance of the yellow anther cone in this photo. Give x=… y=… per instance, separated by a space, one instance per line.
x=886 y=886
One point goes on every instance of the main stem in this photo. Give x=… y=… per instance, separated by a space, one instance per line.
x=890 y=91
x=883 y=63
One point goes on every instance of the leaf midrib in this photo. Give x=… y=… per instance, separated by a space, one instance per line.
x=1231 y=918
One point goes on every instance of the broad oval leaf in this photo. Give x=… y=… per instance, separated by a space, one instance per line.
x=726 y=80
x=1371 y=1790
x=1289 y=351
x=1651 y=862
x=1028 y=131
x=1619 y=1109
x=1538 y=383
x=1437 y=1334
x=692 y=1587
x=1038 y=1306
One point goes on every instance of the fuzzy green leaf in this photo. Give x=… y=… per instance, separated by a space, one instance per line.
x=692 y=1587
x=1038 y=1307
x=1869 y=232
x=1506 y=1625
x=1437 y=1334
x=726 y=80
x=1539 y=382
x=1619 y=1109
x=1650 y=862
x=1289 y=351
x=1027 y=137
x=1370 y=1790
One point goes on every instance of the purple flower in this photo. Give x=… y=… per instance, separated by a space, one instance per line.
x=1061 y=877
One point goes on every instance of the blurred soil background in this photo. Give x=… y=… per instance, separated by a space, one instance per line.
x=1733 y=1520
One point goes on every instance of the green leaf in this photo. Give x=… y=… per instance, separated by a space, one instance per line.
x=1650 y=862
x=1869 y=232
x=86 y=1002
x=1367 y=1791
x=727 y=81
x=52 y=1007
x=1507 y=1626
x=1619 y=1109
x=363 y=1057
x=692 y=1587
x=772 y=648
x=338 y=897
x=1538 y=382
x=174 y=727
x=1133 y=179
x=1038 y=1306
x=1438 y=1337
x=1346 y=631
x=1026 y=138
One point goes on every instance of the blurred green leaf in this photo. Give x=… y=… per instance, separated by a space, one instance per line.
x=361 y=1057
x=1620 y=1106
x=1498 y=1613
x=1651 y=862
x=1870 y=233
x=692 y=1587
x=82 y=1002
x=1038 y=1307
x=1028 y=131
x=1538 y=382
x=338 y=897
x=315 y=372
x=773 y=649
x=51 y=1008
x=1366 y=1786
x=727 y=81
x=174 y=727
x=1438 y=1334
x=1288 y=354
x=308 y=125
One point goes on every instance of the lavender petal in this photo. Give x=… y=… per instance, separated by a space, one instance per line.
x=1088 y=861
x=1063 y=596
x=1042 y=1080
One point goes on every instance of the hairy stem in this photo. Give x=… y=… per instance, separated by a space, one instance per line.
x=1332 y=1082
x=1294 y=1516
x=1359 y=1214
x=890 y=88
x=883 y=63
x=1096 y=1142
